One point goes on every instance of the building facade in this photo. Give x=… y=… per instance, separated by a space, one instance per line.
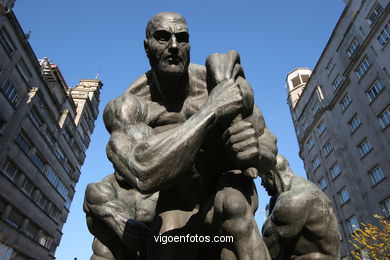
x=341 y=115
x=45 y=129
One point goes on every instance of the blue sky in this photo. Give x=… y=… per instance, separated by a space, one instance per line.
x=86 y=38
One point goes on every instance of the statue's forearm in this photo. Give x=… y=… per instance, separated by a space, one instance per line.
x=268 y=151
x=160 y=159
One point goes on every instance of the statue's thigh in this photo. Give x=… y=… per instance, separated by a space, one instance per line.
x=101 y=251
x=234 y=194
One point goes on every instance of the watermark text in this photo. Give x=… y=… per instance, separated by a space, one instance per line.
x=192 y=239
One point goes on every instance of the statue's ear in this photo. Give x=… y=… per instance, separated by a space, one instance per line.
x=146 y=47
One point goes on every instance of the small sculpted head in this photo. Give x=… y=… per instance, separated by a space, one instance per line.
x=278 y=179
x=268 y=182
x=167 y=44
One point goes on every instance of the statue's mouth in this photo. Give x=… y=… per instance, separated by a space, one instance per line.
x=173 y=60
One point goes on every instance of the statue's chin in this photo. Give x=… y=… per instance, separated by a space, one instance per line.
x=173 y=70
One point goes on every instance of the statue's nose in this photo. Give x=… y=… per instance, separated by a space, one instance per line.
x=174 y=41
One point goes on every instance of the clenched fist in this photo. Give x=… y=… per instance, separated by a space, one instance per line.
x=242 y=143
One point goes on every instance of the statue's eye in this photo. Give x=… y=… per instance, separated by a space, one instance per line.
x=162 y=36
x=182 y=37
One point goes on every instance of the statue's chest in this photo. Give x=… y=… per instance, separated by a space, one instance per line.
x=160 y=119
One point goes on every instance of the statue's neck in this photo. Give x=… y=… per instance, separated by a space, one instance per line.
x=172 y=90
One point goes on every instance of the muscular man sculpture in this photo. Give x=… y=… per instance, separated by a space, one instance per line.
x=192 y=134
x=301 y=223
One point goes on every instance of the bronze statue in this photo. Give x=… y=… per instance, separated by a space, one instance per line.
x=186 y=143
x=301 y=223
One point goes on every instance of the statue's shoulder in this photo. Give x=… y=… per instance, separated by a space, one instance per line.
x=126 y=110
x=100 y=192
x=197 y=72
x=140 y=86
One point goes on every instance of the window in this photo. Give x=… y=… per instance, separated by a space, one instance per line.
x=49 y=137
x=11 y=171
x=296 y=81
x=6 y=43
x=15 y=219
x=76 y=148
x=59 y=154
x=316 y=163
x=31 y=230
x=386 y=206
x=335 y=170
x=345 y=102
x=10 y=92
x=384 y=35
x=38 y=161
x=48 y=207
x=376 y=175
x=68 y=203
x=354 y=123
x=55 y=213
x=35 y=118
x=330 y=66
x=82 y=133
x=28 y=187
x=305 y=125
x=310 y=143
x=363 y=67
x=66 y=134
x=22 y=68
x=364 y=147
x=322 y=183
x=6 y=252
x=52 y=176
x=353 y=47
x=343 y=195
x=328 y=148
x=337 y=82
x=353 y=224
x=68 y=168
x=44 y=240
x=42 y=200
x=315 y=108
x=23 y=143
x=373 y=17
x=384 y=117
x=374 y=90
x=321 y=128
x=62 y=189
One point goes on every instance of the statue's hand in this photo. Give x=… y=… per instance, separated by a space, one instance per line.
x=221 y=66
x=226 y=99
x=243 y=145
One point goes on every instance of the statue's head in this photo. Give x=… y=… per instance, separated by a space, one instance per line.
x=269 y=183
x=167 y=43
x=278 y=179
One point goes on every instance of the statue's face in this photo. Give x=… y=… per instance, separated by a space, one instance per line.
x=167 y=45
x=268 y=182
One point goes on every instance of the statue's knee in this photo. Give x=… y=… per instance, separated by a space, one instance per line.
x=234 y=204
x=99 y=193
x=100 y=251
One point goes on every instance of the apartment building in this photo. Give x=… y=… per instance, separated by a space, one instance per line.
x=45 y=129
x=341 y=115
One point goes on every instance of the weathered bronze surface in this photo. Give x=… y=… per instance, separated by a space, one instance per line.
x=186 y=143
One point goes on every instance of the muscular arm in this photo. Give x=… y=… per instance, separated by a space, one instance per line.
x=252 y=143
x=266 y=158
x=152 y=161
x=286 y=221
x=107 y=215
